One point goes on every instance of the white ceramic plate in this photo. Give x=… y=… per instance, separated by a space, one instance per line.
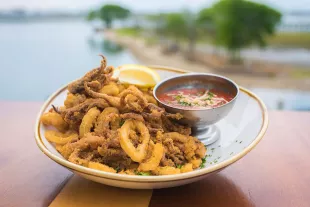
x=240 y=132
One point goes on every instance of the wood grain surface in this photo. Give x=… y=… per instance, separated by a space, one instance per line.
x=275 y=173
x=27 y=176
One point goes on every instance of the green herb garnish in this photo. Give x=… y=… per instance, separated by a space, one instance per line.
x=200 y=93
x=121 y=122
x=117 y=169
x=207 y=99
x=210 y=94
x=204 y=160
x=143 y=173
x=178 y=97
x=179 y=166
x=185 y=103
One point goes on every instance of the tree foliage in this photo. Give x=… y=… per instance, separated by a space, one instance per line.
x=175 y=25
x=240 y=23
x=92 y=15
x=108 y=13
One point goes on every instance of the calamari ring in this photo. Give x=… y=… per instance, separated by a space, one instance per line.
x=132 y=90
x=138 y=153
x=103 y=119
x=102 y=167
x=132 y=103
x=60 y=138
x=103 y=125
x=54 y=119
x=153 y=162
x=88 y=121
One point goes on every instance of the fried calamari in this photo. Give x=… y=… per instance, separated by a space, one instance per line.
x=108 y=126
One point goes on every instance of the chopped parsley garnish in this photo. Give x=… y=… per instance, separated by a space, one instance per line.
x=117 y=169
x=200 y=93
x=178 y=97
x=210 y=94
x=143 y=173
x=121 y=122
x=185 y=103
x=204 y=160
x=179 y=166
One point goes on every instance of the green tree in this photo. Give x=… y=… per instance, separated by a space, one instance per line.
x=191 y=32
x=240 y=23
x=110 y=12
x=175 y=26
x=205 y=21
x=92 y=15
x=157 y=21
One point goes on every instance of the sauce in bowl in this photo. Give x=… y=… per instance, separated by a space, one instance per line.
x=195 y=98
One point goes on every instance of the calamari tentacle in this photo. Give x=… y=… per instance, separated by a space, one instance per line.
x=133 y=116
x=54 y=119
x=114 y=101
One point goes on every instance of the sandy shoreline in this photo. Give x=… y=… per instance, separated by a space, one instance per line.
x=152 y=56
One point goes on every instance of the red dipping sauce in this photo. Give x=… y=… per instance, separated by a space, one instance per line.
x=195 y=98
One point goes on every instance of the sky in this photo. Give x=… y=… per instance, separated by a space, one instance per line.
x=139 y=5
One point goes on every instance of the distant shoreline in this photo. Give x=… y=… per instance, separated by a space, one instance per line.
x=41 y=19
x=151 y=55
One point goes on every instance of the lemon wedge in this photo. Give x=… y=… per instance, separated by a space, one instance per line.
x=137 y=75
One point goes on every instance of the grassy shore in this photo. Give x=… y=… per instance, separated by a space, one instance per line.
x=292 y=39
x=298 y=79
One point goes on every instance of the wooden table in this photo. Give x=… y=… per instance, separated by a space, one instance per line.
x=275 y=173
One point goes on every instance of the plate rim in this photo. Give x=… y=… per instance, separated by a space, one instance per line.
x=151 y=179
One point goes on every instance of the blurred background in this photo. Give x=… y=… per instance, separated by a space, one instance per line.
x=263 y=45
